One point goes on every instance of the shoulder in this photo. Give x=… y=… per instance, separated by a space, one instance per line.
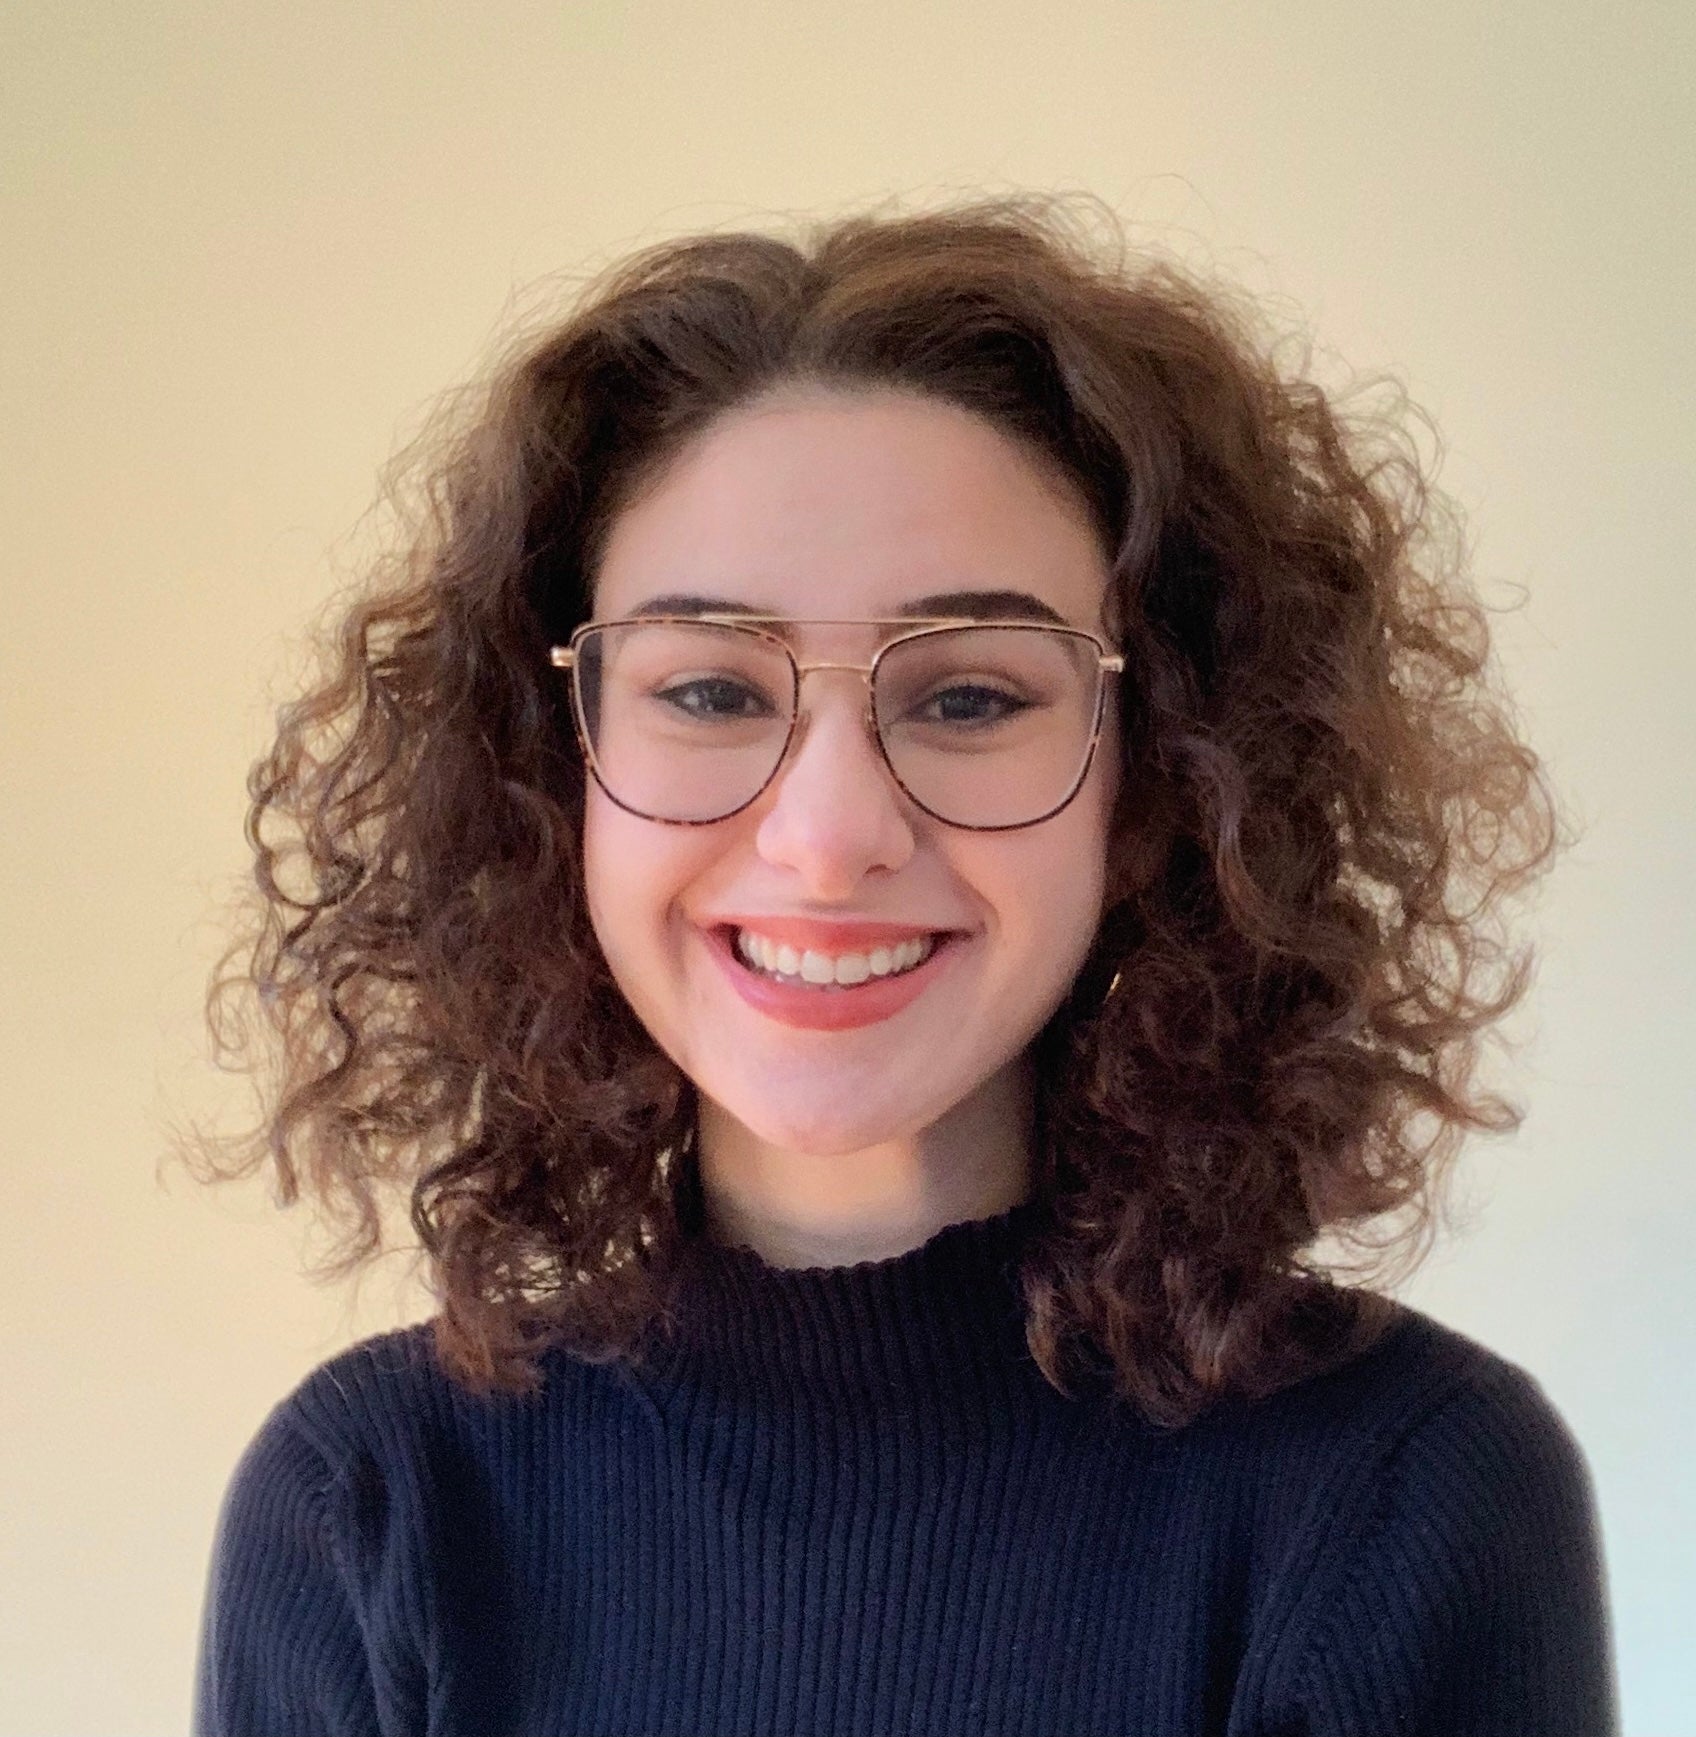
x=300 y=1532
x=1436 y=1537
x=1422 y=1381
x=353 y=1401
x=351 y=1461
x=379 y=1435
x=1420 y=1393
x=1427 y=1429
x=345 y=1432
x=321 y=1605
x=1470 y=1445
x=374 y=1438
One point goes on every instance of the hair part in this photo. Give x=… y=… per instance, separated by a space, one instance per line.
x=1325 y=805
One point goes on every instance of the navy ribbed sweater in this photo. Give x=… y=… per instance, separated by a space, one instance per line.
x=845 y=1500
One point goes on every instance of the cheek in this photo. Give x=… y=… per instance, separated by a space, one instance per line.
x=634 y=872
x=1048 y=893
x=1065 y=878
x=597 y=883
x=618 y=879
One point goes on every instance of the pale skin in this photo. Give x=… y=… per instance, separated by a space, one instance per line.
x=822 y=1148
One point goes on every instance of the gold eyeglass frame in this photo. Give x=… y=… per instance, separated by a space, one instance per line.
x=1108 y=663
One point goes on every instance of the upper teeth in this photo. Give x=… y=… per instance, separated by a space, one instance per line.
x=814 y=967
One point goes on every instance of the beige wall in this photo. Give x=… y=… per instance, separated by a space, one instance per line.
x=243 y=245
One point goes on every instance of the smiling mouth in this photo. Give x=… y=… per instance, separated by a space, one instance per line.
x=807 y=968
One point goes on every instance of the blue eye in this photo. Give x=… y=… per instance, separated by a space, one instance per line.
x=710 y=697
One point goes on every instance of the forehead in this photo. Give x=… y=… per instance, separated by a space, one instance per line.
x=823 y=504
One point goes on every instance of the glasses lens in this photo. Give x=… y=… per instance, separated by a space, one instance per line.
x=989 y=726
x=684 y=720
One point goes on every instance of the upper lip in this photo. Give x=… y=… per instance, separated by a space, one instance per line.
x=841 y=936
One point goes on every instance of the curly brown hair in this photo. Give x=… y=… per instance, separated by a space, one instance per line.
x=1324 y=802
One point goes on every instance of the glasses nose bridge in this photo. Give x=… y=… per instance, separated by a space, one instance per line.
x=864 y=670
x=803 y=713
x=807 y=668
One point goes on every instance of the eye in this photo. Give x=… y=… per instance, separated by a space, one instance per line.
x=973 y=703
x=709 y=697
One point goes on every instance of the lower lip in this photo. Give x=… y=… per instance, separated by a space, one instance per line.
x=822 y=1009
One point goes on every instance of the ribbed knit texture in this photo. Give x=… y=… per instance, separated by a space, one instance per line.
x=845 y=1501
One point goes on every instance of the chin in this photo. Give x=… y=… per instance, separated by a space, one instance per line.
x=819 y=1127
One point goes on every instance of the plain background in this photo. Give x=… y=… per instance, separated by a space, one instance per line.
x=244 y=247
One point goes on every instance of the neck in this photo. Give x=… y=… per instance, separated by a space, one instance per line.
x=801 y=1209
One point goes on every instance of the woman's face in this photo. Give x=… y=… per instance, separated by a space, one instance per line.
x=816 y=504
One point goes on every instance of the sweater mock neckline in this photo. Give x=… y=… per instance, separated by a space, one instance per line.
x=944 y=1318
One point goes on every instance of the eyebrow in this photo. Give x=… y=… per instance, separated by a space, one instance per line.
x=983 y=605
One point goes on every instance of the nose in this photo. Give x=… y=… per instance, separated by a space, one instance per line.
x=834 y=813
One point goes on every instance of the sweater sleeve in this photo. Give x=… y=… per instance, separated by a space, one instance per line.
x=1472 y=1597
x=281 y=1646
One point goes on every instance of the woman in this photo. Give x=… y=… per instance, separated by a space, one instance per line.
x=916 y=825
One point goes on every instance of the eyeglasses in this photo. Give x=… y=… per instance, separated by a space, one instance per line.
x=986 y=725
